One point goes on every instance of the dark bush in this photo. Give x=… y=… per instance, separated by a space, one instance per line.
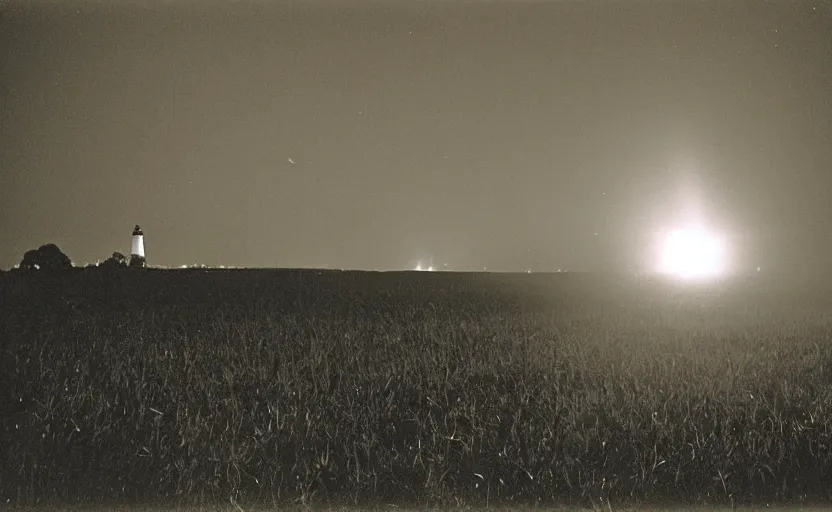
x=47 y=257
x=30 y=260
x=117 y=260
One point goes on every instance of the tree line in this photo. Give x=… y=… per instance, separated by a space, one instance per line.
x=50 y=258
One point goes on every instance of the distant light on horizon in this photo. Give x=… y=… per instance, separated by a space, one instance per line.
x=422 y=268
x=692 y=253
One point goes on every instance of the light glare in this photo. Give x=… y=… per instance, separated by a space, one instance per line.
x=692 y=253
x=419 y=267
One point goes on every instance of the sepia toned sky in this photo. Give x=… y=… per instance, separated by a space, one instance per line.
x=369 y=135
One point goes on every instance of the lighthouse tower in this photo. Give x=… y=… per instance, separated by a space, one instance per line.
x=137 y=248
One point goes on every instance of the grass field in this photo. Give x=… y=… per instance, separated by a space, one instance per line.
x=395 y=508
x=279 y=387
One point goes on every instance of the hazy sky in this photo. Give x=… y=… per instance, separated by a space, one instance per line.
x=370 y=135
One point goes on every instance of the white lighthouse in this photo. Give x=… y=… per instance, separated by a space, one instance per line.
x=137 y=248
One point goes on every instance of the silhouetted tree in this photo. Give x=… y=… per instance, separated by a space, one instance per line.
x=117 y=260
x=30 y=260
x=47 y=257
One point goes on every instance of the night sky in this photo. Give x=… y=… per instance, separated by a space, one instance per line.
x=507 y=135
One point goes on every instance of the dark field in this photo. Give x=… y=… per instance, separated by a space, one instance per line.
x=266 y=387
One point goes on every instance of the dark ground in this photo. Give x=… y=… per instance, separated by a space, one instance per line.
x=271 y=386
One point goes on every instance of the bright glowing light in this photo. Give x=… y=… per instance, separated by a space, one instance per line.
x=692 y=253
x=421 y=268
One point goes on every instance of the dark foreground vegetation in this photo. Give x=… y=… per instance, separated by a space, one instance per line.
x=274 y=386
